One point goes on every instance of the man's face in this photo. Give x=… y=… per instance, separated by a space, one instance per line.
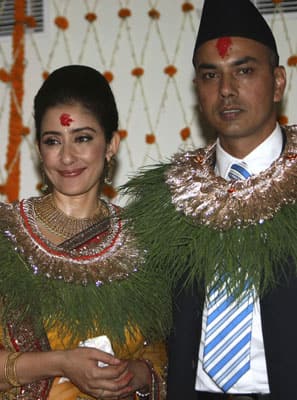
x=237 y=89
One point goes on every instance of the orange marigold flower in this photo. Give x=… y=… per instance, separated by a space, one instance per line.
x=187 y=7
x=108 y=76
x=277 y=1
x=45 y=75
x=4 y=75
x=283 y=120
x=138 y=71
x=25 y=131
x=185 y=133
x=150 y=138
x=170 y=70
x=124 y=13
x=154 y=14
x=19 y=20
x=109 y=191
x=39 y=186
x=91 y=17
x=30 y=21
x=123 y=133
x=292 y=61
x=61 y=22
x=291 y=156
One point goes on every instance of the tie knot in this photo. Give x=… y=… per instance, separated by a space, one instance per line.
x=238 y=171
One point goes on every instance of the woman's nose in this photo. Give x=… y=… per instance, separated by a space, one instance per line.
x=67 y=154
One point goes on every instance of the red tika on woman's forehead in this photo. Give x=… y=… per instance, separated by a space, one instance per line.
x=65 y=119
x=223 y=45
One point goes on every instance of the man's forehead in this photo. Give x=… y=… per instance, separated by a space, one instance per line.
x=223 y=45
x=229 y=47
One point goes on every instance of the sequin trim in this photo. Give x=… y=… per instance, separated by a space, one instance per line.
x=21 y=337
x=212 y=201
x=114 y=258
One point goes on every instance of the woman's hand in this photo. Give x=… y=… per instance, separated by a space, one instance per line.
x=117 y=380
x=141 y=373
x=80 y=366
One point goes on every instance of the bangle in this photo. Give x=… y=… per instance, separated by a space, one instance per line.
x=154 y=392
x=10 y=369
x=142 y=395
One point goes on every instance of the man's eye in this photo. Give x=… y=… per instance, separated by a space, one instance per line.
x=245 y=71
x=208 y=75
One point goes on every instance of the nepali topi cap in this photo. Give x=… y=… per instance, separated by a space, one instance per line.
x=223 y=18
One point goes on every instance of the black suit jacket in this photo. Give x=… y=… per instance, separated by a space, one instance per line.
x=279 y=323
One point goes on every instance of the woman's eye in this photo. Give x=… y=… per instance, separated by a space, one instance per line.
x=83 y=138
x=50 y=141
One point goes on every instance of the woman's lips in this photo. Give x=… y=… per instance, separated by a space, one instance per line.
x=71 y=174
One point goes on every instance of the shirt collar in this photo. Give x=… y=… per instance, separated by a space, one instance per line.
x=257 y=161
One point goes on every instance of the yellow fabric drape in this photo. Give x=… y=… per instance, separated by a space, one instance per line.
x=134 y=348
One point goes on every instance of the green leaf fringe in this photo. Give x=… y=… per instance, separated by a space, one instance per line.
x=179 y=247
x=141 y=301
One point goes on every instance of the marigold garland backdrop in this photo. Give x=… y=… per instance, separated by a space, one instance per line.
x=144 y=48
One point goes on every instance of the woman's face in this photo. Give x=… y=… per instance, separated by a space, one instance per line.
x=73 y=149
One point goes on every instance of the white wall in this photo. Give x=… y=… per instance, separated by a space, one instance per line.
x=153 y=103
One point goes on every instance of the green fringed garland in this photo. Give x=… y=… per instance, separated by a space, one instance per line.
x=178 y=247
x=142 y=300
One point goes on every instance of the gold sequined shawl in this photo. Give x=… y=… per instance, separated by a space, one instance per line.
x=195 y=224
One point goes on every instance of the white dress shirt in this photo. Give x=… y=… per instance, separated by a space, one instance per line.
x=256 y=379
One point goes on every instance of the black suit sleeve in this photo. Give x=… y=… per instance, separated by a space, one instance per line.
x=183 y=345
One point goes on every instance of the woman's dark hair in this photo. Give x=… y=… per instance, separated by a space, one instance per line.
x=78 y=84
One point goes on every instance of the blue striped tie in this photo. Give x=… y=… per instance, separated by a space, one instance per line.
x=238 y=171
x=226 y=356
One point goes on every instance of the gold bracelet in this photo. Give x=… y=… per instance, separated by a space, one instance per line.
x=10 y=369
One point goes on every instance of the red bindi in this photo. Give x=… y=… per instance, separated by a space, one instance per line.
x=223 y=45
x=65 y=119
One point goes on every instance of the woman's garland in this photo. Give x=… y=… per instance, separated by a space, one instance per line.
x=129 y=302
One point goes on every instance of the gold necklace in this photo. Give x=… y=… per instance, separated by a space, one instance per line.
x=61 y=224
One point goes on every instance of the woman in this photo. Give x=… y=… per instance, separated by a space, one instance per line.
x=69 y=271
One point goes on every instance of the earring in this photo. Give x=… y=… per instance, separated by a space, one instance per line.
x=110 y=167
x=44 y=185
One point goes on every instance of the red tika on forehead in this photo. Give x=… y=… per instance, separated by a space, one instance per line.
x=223 y=45
x=65 y=119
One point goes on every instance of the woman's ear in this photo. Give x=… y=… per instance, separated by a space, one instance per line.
x=113 y=146
x=37 y=148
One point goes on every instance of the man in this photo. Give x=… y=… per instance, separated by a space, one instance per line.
x=221 y=221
